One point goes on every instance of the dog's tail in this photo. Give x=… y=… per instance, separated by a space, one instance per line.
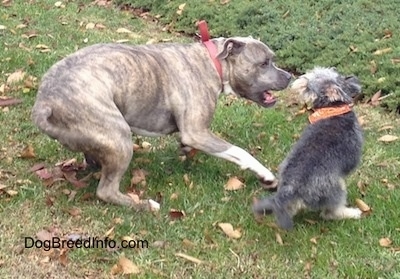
x=272 y=205
x=40 y=116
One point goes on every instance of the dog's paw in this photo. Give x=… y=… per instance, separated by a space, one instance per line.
x=342 y=213
x=353 y=213
x=270 y=185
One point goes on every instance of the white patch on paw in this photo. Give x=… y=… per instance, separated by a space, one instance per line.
x=244 y=160
x=342 y=213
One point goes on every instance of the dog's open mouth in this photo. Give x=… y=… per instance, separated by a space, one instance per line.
x=269 y=99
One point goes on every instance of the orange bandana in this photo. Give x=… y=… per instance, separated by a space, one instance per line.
x=323 y=113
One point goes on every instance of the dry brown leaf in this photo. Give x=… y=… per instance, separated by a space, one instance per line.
x=187 y=243
x=386 y=127
x=375 y=98
x=110 y=232
x=395 y=60
x=233 y=184
x=278 y=239
x=125 y=266
x=189 y=258
x=146 y=145
x=175 y=214
x=227 y=228
x=9 y=102
x=385 y=242
x=123 y=30
x=362 y=205
x=173 y=196
x=138 y=176
x=74 y=211
x=90 y=25
x=41 y=46
x=11 y=193
x=180 y=8
x=15 y=77
x=388 y=138
x=383 y=51
x=44 y=235
x=28 y=152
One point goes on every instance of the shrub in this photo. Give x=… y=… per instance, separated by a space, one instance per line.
x=359 y=37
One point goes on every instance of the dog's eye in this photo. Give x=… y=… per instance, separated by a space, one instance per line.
x=265 y=63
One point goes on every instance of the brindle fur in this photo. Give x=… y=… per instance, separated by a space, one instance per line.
x=94 y=99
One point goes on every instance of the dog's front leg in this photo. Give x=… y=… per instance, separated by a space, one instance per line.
x=211 y=144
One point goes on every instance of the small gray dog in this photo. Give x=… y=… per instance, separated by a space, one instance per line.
x=312 y=175
x=92 y=100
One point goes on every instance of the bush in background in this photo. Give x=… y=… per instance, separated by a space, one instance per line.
x=358 y=37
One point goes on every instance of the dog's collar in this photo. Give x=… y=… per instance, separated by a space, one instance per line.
x=212 y=50
x=322 y=113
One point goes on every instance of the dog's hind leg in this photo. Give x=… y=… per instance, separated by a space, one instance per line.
x=337 y=209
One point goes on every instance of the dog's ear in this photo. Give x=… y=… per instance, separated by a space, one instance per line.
x=231 y=46
x=354 y=85
x=300 y=85
x=335 y=94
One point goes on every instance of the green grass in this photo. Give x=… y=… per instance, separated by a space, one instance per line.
x=343 y=249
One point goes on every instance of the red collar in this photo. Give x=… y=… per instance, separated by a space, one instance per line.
x=323 y=113
x=212 y=49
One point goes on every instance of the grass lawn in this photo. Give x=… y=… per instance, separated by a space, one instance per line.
x=36 y=34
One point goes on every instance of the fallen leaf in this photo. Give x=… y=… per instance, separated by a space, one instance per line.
x=180 y=8
x=125 y=266
x=90 y=25
x=187 y=243
x=227 y=228
x=45 y=235
x=189 y=258
x=11 y=193
x=74 y=211
x=173 y=196
x=278 y=239
x=375 y=98
x=109 y=232
x=386 y=127
x=16 y=77
x=388 y=138
x=44 y=173
x=382 y=51
x=362 y=205
x=9 y=102
x=159 y=244
x=233 y=184
x=63 y=258
x=395 y=60
x=123 y=30
x=146 y=145
x=385 y=242
x=41 y=46
x=28 y=152
x=314 y=239
x=175 y=214
x=70 y=176
x=138 y=176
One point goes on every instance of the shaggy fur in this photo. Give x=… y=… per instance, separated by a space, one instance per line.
x=312 y=175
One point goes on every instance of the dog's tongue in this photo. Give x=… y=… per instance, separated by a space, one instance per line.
x=268 y=98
